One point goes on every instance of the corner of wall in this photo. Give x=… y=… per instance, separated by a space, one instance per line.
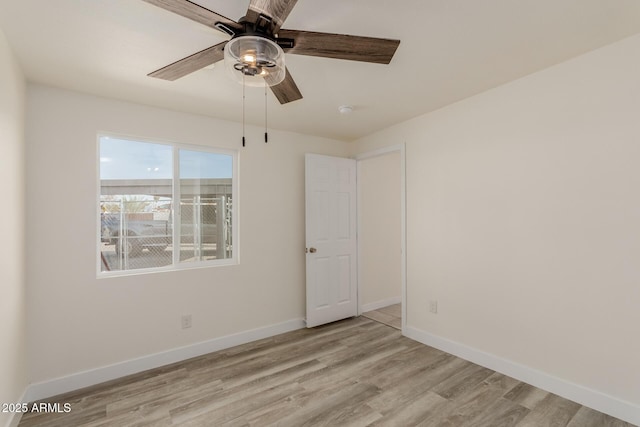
x=594 y=399
x=13 y=352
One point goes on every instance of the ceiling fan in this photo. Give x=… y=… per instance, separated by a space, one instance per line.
x=255 y=52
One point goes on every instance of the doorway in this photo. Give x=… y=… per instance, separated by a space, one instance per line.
x=381 y=235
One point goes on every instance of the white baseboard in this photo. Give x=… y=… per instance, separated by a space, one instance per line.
x=380 y=304
x=91 y=377
x=594 y=399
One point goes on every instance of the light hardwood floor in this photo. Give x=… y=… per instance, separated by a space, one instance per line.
x=355 y=372
x=390 y=315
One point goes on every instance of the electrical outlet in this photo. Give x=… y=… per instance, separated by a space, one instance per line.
x=433 y=306
x=186 y=321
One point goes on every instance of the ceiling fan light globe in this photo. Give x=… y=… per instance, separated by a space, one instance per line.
x=254 y=60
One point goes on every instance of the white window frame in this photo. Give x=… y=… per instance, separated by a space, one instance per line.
x=175 y=211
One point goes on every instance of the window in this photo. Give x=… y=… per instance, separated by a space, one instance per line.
x=165 y=206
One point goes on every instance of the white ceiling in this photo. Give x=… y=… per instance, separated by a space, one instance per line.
x=450 y=50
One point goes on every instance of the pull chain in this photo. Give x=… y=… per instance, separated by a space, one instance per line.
x=266 y=135
x=243 y=108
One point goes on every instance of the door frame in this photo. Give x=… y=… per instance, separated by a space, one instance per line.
x=403 y=222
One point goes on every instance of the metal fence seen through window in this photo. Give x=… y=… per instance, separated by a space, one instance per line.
x=138 y=232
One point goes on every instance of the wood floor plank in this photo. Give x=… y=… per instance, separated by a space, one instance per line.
x=402 y=365
x=295 y=403
x=218 y=412
x=390 y=315
x=464 y=379
x=473 y=402
x=402 y=391
x=347 y=369
x=587 y=417
x=552 y=411
x=382 y=317
x=500 y=412
x=267 y=357
x=261 y=415
x=154 y=400
x=144 y=415
x=242 y=392
x=414 y=411
x=526 y=395
x=328 y=411
x=77 y=418
x=393 y=310
x=353 y=373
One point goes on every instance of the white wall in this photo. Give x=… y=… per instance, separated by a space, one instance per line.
x=13 y=369
x=78 y=322
x=523 y=222
x=379 y=230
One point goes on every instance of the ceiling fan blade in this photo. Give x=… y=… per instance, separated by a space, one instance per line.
x=191 y=63
x=277 y=10
x=341 y=46
x=197 y=13
x=287 y=91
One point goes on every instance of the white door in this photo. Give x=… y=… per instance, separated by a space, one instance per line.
x=330 y=184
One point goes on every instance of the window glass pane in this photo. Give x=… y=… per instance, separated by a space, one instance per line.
x=205 y=205
x=158 y=211
x=135 y=202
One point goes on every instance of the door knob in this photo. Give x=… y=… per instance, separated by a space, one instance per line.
x=313 y=250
